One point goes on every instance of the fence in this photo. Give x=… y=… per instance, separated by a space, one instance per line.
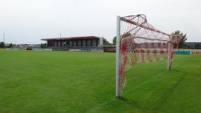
x=188 y=52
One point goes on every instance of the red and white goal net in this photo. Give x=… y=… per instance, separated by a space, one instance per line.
x=139 y=41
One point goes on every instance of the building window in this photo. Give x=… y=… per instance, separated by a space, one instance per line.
x=94 y=43
x=83 y=43
x=55 y=44
x=67 y=43
x=89 y=43
x=70 y=43
x=79 y=43
x=58 y=44
x=74 y=43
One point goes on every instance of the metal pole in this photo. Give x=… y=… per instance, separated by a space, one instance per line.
x=169 y=53
x=60 y=43
x=118 y=88
x=4 y=37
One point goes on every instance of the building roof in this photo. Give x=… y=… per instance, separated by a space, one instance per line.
x=71 y=38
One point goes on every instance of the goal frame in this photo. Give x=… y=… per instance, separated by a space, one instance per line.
x=169 y=60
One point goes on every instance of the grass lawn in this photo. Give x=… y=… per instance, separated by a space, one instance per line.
x=84 y=82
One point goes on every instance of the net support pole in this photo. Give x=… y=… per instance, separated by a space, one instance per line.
x=118 y=88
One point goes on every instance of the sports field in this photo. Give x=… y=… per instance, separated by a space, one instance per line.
x=84 y=82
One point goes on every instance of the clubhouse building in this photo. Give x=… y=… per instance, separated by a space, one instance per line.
x=84 y=43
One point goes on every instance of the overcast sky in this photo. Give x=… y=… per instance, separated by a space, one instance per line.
x=28 y=21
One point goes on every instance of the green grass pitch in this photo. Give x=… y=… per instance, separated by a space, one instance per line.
x=84 y=82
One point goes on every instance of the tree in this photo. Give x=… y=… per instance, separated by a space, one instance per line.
x=10 y=45
x=126 y=35
x=123 y=36
x=2 y=44
x=43 y=45
x=114 y=40
x=105 y=42
x=183 y=39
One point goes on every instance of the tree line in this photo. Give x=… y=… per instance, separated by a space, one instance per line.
x=2 y=45
x=182 y=44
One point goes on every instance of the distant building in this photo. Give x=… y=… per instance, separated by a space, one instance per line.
x=189 y=45
x=109 y=48
x=84 y=43
x=192 y=45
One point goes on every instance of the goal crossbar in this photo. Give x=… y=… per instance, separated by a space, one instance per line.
x=143 y=26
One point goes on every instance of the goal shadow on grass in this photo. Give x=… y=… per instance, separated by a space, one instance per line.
x=166 y=95
x=135 y=105
x=169 y=92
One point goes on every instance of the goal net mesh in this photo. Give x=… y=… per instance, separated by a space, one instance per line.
x=141 y=42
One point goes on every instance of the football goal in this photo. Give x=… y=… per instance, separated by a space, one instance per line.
x=138 y=41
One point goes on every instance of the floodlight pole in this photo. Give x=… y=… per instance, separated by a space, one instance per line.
x=60 y=40
x=118 y=88
x=4 y=37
